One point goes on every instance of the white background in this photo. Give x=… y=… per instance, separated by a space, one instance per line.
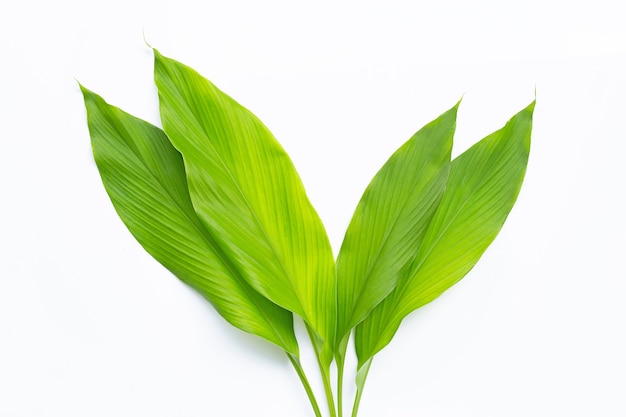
x=90 y=325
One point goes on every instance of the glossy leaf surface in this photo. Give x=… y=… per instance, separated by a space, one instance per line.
x=482 y=187
x=145 y=178
x=247 y=192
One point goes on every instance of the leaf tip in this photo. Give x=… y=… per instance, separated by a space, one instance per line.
x=531 y=107
x=82 y=87
x=84 y=90
x=458 y=103
x=143 y=34
x=157 y=54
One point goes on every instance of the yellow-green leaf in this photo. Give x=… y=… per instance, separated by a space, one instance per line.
x=247 y=192
x=390 y=221
x=482 y=187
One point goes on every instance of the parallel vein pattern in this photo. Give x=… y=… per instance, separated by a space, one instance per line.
x=246 y=191
x=482 y=187
x=145 y=178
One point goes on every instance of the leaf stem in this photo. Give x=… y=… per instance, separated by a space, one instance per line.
x=295 y=361
x=328 y=389
x=340 y=367
x=340 y=358
x=361 y=376
x=324 y=370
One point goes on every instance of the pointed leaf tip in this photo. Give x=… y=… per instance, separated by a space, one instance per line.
x=390 y=221
x=247 y=192
x=144 y=176
x=482 y=187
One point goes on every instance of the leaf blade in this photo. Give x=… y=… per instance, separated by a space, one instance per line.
x=245 y=189
x=145 y=179
x=482 y=188
x=390 y=221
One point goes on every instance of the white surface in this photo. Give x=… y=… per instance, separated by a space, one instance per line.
x=90 y=325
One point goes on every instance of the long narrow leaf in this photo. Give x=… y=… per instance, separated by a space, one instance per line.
x=245 y=189
x=390 y=221
x=145 y=179
x=482 y=187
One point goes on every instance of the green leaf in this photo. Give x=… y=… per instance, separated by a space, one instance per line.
x=390 y=221
x=145 y=179
x=482 y=187
x=247 y=192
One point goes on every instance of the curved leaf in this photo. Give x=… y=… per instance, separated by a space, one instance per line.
x=145 y=179
x=482 y=187
x=390 y=221
x=246 y=190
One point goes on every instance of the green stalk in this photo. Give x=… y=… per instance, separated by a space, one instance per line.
x=361 y=376
x=340 y=367
x=295 y=361
x=325 y=372
x=328 y=389
x=340 y=358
